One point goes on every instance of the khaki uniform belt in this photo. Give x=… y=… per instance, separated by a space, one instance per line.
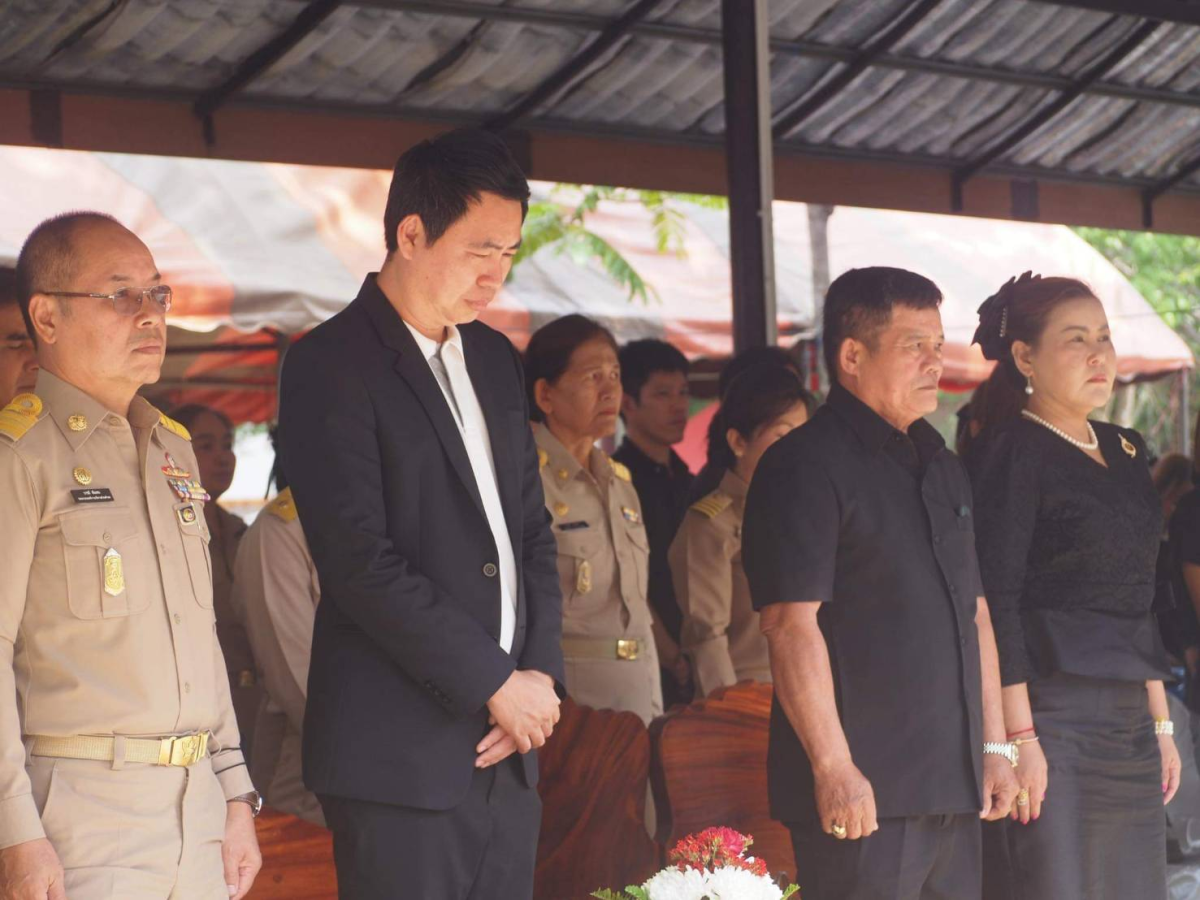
x=172 y=751
x=624 y=649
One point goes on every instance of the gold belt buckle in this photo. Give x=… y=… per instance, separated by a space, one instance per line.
x=627 y=649
x=183 y=751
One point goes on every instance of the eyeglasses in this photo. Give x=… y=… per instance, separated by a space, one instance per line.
x=126 y=301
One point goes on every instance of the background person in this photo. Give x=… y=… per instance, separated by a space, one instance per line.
x=654 y=407
x=708 y=479
x=18 y=359
x=212 y=441
x=1068 y=529
x=277 y=589
x=721 y=633
x=574 y=381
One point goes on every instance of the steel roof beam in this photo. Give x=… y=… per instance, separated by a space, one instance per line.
x=1046 y=113
x=1183 y=12
x=570 y=72
x=808 y=49
x=863 y=59
x=266 y=56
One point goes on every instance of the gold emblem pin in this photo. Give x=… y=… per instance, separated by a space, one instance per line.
x=187 y=514
x=114 y=573
x=83 y=476
x=77 y=423
x=563 y=474
x=1128 y=447
x=561 y=509
x=583 y=577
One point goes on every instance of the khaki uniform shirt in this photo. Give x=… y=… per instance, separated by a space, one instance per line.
x=720 y=631
x=603 y=567
x=106 y=606
x=277 y=591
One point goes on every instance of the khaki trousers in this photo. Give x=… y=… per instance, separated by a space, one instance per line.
x=139 y=832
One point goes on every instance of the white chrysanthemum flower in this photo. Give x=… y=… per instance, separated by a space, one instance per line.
x=728 y=883
x=671 y=884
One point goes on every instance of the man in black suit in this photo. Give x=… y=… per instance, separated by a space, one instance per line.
x=436 y=649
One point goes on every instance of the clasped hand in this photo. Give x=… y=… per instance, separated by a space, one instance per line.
x=522 y=714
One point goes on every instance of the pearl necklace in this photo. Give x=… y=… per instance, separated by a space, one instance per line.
x=1095 y=442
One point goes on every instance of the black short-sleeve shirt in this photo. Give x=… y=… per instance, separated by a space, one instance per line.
x=663 y=492
x=877 y=526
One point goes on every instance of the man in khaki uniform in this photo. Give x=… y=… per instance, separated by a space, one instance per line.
x=276 y=591
x=18 y=362
x=720 y=630
x=603 y=565
x=120 y=771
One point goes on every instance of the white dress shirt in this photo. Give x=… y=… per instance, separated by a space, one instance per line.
x=449 y=366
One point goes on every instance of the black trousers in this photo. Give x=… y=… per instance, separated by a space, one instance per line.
x=921 y=858
x=1102 y=832
x=483 y=849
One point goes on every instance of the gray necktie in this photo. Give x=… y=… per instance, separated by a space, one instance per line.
x=443 y=379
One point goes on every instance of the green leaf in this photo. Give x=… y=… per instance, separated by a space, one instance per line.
x=606 y=894
x=585 y=246
x=791 y=889
x=637 y=893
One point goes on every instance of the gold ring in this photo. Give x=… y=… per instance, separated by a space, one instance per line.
x=839 y=831
x=1023 y=797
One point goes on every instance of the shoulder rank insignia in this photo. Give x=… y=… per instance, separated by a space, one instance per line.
x=543 y=459
x=713 y=505
x=20 y=415
x=174 y=427
x=283 y=506
x=620 y=471
x=1128 y=447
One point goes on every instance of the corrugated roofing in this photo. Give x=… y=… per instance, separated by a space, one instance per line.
x=947 y=92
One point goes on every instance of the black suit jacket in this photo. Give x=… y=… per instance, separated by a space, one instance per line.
x=405 y=653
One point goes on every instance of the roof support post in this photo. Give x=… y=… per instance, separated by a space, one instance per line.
x=748 y=146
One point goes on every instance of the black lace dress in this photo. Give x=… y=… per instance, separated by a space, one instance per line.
x=1067 y=550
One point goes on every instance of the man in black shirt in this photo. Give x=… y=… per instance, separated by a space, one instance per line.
x=859 y=547
x=654 y=378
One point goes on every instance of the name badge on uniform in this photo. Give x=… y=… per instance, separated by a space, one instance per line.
x=114 y=573
x=572 y=526
x=92 y=495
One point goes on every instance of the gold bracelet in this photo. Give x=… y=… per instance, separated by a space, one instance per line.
x=1164 y=726
x=1028 y=740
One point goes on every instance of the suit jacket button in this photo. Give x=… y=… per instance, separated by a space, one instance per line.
x=490 y=570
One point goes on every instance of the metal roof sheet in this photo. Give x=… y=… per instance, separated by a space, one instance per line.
x=952 y=88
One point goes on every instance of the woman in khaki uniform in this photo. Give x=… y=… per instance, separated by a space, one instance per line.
x=212 y=439
x=574 y=381
x=720 y=632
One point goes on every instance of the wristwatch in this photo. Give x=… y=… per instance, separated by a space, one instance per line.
x=1008 y=750
x=253 y=799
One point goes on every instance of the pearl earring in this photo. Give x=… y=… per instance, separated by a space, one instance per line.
x=1029 y=385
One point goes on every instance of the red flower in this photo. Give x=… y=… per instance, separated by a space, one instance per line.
x=714 y=848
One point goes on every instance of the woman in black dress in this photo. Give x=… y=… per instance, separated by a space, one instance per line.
x=1067 y=530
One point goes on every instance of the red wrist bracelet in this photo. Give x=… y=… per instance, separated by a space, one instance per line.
x=1013 y=734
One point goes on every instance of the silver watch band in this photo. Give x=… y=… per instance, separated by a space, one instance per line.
x=1006 y=749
